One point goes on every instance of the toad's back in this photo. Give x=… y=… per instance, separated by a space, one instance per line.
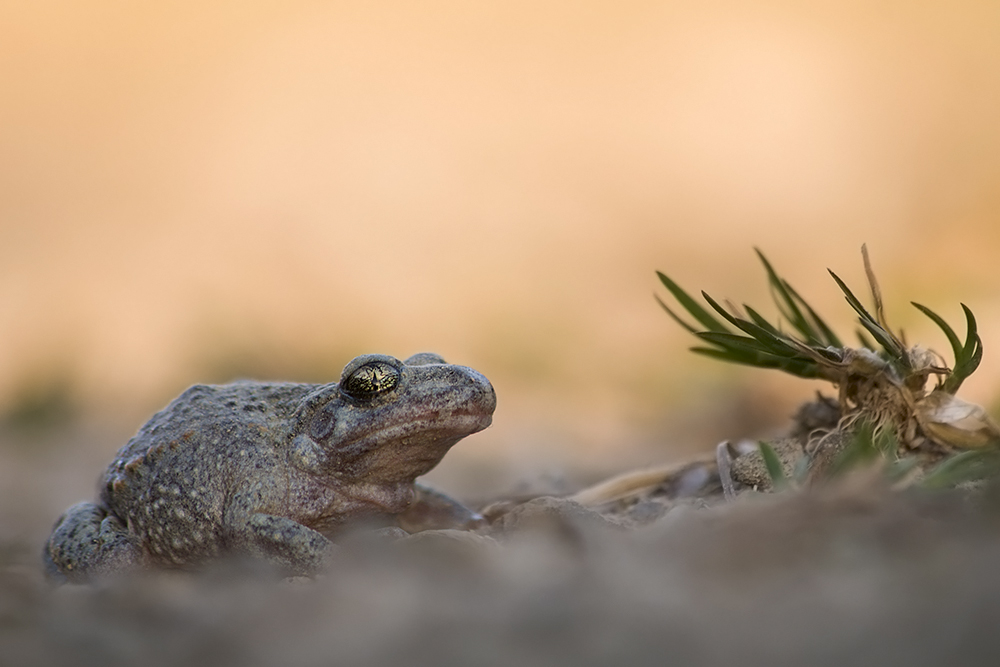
x=170 y=483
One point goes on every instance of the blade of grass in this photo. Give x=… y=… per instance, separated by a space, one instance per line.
x=885 y=441
x=674 y=315
x=968 y=466
x=697 y=312
x=887 y=342
x=867 y=443
x=833 y=356
x=953 y=340
x=785 y=302
x=864 y=340
x=731 y=356
x=972 y=339
x=851 y=299
x=761 y=322
x=828 y=337
x=897 y=470
x=897 y=351
x=798 y=368
x=769 y=340
x=876 y=292
x=971 y=355
x=877 y=325
x=779 y=481
x=960 y=373
x=735 y=341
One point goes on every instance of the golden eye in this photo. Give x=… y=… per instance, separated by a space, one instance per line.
x=370 y=379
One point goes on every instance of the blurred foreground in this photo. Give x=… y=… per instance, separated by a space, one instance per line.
x=852 y=574
x=202 y=191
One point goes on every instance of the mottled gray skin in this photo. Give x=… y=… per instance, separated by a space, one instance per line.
x=272 y=470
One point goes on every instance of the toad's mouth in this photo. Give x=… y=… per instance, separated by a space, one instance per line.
x=431 y=429
x=407 y=449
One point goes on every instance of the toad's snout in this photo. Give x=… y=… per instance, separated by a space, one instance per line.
x=483 y=399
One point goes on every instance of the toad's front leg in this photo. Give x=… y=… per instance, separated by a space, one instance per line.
x=433 y=510
x=283 y=542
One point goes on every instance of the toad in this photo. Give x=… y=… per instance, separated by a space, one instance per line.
x=273 y=471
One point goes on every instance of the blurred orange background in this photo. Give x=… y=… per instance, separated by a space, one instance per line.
x=196 y=191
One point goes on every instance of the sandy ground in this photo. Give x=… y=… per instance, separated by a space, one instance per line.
x=849 y=574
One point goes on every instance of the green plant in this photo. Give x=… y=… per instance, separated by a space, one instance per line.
x=882 y=382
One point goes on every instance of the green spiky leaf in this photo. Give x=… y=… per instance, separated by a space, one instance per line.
x=771 y=341
x=867 y=444
x=972 y=354
x=775 y=470
x=967 y=355
x=697 y=312
x=953 y=340
x=970 y=466
x=900 y=468
x=786 y=302
x=896 y=354
x=812 y=349
x=826 y=336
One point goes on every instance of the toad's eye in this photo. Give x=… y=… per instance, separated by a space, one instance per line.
x=370 y=379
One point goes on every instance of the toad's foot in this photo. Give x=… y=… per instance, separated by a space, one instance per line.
x=433 y=510
x=88 y=543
